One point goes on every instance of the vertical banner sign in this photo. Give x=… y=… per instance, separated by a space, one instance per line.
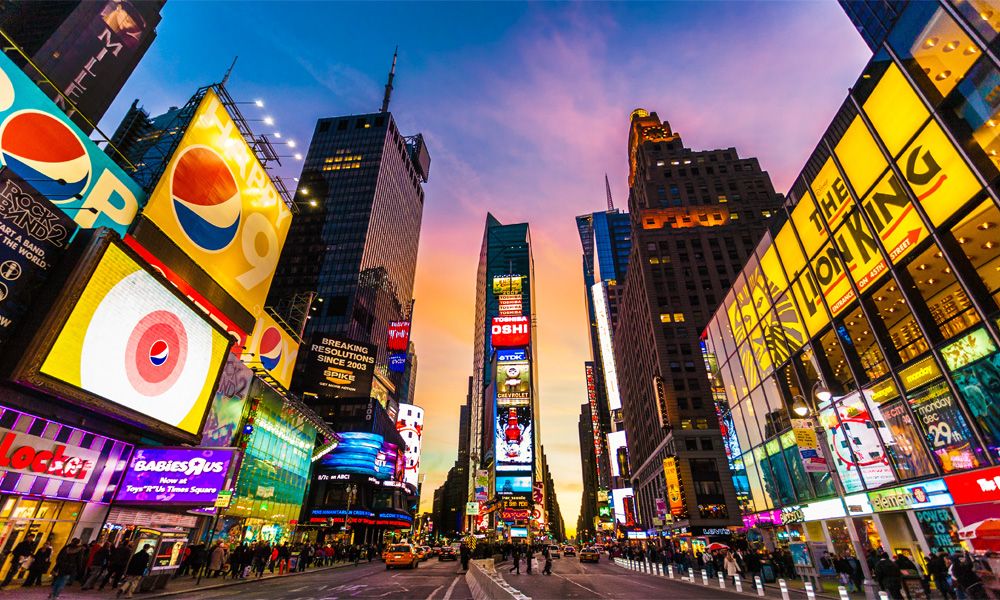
x=399 y=336
x=218 y=205
x=675 y=498
x=482 y=485
x=808 y=443
x=40 y=144
x=33 y=234
x=510 y=305
x=592 y=401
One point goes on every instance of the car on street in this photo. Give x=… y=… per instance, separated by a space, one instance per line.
x=401 y=555
x=569 y=550
x=447 y=553
x=424 y=552
x=554 y=551
x=590 y=555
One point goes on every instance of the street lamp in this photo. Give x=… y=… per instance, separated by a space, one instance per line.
x=808 y=409
x=352 y=491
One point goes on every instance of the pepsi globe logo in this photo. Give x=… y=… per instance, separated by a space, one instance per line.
x=270 y=348
x=155 y=352
x=206 y=198
x=46 y=153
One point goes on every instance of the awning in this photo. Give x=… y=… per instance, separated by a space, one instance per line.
x=985 y=529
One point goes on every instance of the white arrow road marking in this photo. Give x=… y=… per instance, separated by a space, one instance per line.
x=447 y=595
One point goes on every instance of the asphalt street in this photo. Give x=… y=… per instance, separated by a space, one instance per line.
x=571 y=579
x=432 y=580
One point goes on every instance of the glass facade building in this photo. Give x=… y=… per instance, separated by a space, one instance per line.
x=881 y=282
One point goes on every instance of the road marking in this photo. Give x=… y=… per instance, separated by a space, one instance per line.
x=435 y=591
x=577 y=584
x=447 y=595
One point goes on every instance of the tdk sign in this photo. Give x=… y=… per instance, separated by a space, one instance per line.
x=41 y=144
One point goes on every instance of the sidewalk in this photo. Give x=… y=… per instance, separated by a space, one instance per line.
x=796 y=588
x=181 y=585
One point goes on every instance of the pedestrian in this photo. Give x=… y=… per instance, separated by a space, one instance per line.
x=548 y=561
x=98 y=565
x=116 y=565
x=284 y=556
x=135 y=571
x=530 y=556
x=965 y=578
x=40 y=562
x=69 y=563
x=20 y=559
x=464 y=555
x=731 y=566
x=889 y=578
x=216 y=560
x=937 y=568
x=516 y=554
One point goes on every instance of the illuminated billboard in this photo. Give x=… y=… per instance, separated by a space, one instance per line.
x=510 y=305
x=337 y=367
x=176 y=475
x=40 y=144
x=397 y=362
x=33 y=235
x=513 y=383
x=616 y=443
x=399 y=336
x=513 y=484
x=231 y=394
x=624 y=505
x=133 y=342
x=510 y=332
x=410 y=425
x=514 y=441
x=361 y=453
x=853 y=428
x=599 y=291
x=272 y=348
x=507 y=284
x=675 y=495
x=218 y=205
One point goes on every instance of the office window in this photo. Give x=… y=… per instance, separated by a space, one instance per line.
x=948 y=303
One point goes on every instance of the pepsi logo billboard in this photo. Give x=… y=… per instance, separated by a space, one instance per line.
x=510 y=332
x=218 y=205
x=399 y=336
x=130 y=346
x=40 y=144
x=272 y=348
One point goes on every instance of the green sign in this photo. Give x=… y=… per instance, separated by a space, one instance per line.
x=224 y=499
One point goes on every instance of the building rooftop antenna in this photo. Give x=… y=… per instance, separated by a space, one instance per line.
x=607 y=186
x=388 y=84
x=229 y=71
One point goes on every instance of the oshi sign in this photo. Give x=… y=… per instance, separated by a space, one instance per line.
x=134 y=343
x=218 y=205
x=510 y=332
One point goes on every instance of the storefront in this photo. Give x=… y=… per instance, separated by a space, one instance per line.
x=57 y=481
x=272 y=481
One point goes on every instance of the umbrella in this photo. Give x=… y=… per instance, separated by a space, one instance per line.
x=984 y=535
x=717 y=546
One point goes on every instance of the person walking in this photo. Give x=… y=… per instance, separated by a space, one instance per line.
x=216 y=560
x=19 y=555
x=548 y=561
x=464 y=554
x=98 y=565
x=937 y=568
x=135 y=571
x=516 y=555
x=889 y=578
x=731 y=566
x=40 y=562
x=69 y=564
x=116 y=565
x=530 y=556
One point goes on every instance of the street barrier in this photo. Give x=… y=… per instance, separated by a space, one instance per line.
x=738 y=582
x=843 y=593
x=810 y=592
x=759 y=585
x=704 y=577
x=784 y=589
x=722 y=581
x=486 y=584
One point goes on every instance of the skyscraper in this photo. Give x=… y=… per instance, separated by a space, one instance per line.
x=354 y=243
x=696 y=216
x=588 y=500
x=504 y=412
x=606 y=238
x=86 y=49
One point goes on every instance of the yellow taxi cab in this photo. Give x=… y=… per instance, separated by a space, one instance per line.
x=590 y=555
x=401 y=555
x=421 y=552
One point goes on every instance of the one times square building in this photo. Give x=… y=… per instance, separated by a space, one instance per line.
x=696 y=216
x=855 y=359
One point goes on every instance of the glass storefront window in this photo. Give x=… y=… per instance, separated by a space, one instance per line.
x=777 y=416
x=859 y=332
x=979 y=386
x=781 y=484
x=976 y=103
x=895 y=314
x=837 y=362
x=948 y=303
x=947 y=432
x=855 y=442
x=935 y=45
x=905 y=449
x=800 y=479
x=756 y=415
x=761 y=499
x=979 y=237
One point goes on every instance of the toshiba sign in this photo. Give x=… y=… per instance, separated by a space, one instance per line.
x=511 y=332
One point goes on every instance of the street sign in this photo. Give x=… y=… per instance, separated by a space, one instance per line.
x=224 y=499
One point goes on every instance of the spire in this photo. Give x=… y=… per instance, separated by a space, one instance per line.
x=229 y=71
x=607 y=186
x=388 y=84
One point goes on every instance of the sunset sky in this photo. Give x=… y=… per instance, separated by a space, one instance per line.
x=524 y=108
